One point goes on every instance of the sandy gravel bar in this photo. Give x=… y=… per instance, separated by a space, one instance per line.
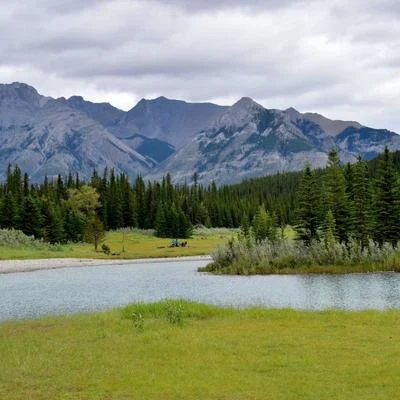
x=10 y=266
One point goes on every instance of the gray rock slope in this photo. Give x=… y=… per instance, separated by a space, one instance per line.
x=249 y=140
x=154 y=128
x=47 y=137
x=172 y=121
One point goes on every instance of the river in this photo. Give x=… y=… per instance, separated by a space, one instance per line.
x=80 y=290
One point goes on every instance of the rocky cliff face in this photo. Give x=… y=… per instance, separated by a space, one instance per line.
x=171 y=121
x=249 y=141
x=47 y=136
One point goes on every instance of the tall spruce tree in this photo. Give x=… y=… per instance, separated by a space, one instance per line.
x=8 y=211
x=308 y=209
x=361 y=208
x=387 y=224
x=336 y=196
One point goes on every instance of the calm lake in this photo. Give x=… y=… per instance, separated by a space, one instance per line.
x=76 y=290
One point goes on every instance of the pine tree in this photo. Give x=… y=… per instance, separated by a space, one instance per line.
x=387 y=226
x=30 y=217
x=245 y=226
x=361 y=204
x=260 y=224
x=185 y=227
x=161 y=222
x=336 y=196
x=52 y=223
x=308 y=207
x=329 y=228
x=8 y=211
x=73 y=226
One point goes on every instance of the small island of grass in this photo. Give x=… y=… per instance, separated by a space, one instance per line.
x=247 y=256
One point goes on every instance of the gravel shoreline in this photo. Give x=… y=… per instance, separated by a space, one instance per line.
x=10 y=266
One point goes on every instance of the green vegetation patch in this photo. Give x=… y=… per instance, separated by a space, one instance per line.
x=249 y=256
x=214 y=353
x=123 y=244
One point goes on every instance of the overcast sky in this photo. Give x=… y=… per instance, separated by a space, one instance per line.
x=340 y=58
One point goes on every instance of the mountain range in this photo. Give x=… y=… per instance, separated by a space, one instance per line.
x=47 y=136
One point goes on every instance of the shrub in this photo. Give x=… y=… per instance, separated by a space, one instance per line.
x=15 y=238
x=174 y=312
x=248 y=256
x=138 y=320
x=106 y=249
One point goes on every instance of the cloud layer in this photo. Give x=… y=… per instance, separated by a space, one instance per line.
x=335 y=57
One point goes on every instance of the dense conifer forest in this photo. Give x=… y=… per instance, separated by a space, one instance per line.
x=359 y=200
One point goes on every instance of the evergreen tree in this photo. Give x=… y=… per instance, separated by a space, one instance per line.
x=387 y=226
x=161 y=222
x=329 y=228
x=261 y=224
x=245 y=226
x=30 y=217
x=8 y=211
x=73 y=226
x=336 y=196
x=308 y=207
x=185 y=227
x=52 y=223
x=361 y=204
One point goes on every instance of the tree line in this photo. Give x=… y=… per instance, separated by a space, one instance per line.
x=359 y=199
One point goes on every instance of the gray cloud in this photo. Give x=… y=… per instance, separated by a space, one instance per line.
x=338 y=57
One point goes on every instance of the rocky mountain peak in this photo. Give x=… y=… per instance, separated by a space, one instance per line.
x=76 y=99
x=242 y=112
x=19 y=92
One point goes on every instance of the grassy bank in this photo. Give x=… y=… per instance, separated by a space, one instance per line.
x=127 y=244
x=190 y=351
x=250 y=257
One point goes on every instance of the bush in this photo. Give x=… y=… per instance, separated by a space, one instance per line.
x=138 y=321
x=248 y=256
x=174 y=313
x=15 y=238
x=106 y=249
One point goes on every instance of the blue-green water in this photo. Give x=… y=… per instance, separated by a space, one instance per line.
x=75 y=290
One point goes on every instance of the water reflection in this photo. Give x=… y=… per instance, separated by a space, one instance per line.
x=72 y=290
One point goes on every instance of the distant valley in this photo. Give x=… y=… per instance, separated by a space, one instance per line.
x=47 y=136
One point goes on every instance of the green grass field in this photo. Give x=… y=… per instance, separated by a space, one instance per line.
x=128 y=245
x=214 y=354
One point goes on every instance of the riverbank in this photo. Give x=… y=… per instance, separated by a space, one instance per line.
x=11 y=266
x=126 y=245
x=180 y=350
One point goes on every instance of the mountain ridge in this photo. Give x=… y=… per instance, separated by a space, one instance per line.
x=221 y=143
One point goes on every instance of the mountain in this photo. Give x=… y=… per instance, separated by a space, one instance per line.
x=172 y=121
x=109 y=117
x=163 y=123
x=47 y=137
x=249 y=140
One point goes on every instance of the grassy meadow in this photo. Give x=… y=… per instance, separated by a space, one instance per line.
x=180 y=350
x=124 y=244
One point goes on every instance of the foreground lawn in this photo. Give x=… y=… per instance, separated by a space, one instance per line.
x=134 y=244
x=214 y=354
